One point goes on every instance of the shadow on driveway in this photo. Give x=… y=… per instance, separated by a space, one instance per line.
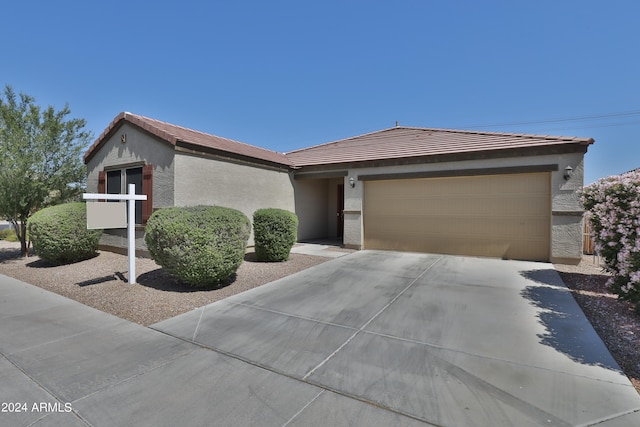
x=562 y=320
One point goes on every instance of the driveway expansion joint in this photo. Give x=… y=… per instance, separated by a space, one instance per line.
x=361 y=329
x=321 y=386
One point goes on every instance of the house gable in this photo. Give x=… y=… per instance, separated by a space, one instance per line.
x=127 y=146
x=189 y=139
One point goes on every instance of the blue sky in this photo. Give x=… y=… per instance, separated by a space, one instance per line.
x=289 y=74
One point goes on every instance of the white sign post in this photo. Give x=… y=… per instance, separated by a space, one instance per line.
x=131 y=198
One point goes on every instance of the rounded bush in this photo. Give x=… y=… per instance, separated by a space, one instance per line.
x=199 y=245
x=59 y=234
x=275 y=232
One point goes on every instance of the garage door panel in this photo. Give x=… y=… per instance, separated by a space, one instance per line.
x=460 y=205
x=498 y=215
x=529 y=229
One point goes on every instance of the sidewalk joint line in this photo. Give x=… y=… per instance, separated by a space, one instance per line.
x=303 y=408
x=295 y=316
x=198 y=324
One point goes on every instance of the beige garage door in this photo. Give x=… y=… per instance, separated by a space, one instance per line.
x=506 y=216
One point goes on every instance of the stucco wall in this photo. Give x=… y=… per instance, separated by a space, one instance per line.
x=206 y=181
x=353 y=224
x=311 y=197
x=566 y=219
x=140 y=148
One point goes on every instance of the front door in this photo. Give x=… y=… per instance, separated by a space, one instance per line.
x=340 y=211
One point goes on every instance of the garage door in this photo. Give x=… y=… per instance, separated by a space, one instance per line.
x=506 y=216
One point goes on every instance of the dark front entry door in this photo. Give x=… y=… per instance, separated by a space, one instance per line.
x=340 y=211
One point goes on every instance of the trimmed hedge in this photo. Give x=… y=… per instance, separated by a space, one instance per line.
x=59 y=234
x=275 y=232
x=199 y=245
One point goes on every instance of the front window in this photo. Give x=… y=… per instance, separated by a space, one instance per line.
x=118 y=183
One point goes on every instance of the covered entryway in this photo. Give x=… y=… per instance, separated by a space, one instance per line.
x=505 y=216
x=319 y=204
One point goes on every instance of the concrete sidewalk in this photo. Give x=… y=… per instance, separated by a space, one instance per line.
x=369 y=339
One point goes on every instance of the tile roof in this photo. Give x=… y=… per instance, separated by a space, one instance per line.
x=405 y=142
x=175 y=135
x=393 y=143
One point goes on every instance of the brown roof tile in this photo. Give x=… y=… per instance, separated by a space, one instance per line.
x=174 y=135
x=387 y=144
x=404 y=142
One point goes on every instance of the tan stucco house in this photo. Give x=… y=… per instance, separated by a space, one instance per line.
x=404 y=188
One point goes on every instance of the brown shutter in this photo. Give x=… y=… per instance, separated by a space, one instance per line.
x=102 y=183
x=147 y=188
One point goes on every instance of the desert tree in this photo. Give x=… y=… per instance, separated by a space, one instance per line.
x=40 y=158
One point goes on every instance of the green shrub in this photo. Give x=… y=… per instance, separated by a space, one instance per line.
x=59 y=234
x=13 y=237
x=198 y=245
x=9 y=235
x=275 y=232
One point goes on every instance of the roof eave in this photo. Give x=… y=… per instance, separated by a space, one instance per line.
x=449 y=157
x=116 y=123
x=197 y=149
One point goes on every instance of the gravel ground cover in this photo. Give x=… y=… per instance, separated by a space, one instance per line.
x=101 y=282
x=615 y=321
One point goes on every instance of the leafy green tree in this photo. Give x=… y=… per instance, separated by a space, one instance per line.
x=40 y=159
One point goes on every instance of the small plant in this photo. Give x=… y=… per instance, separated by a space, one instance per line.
x=59 y=234
x=275 y=233
x=199 y=245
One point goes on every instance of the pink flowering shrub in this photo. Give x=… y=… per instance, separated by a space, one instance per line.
x=613 y=206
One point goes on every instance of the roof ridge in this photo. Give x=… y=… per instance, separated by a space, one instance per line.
x=461 y=131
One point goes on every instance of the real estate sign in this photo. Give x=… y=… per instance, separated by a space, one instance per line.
x=129 y=223
x=102 y=215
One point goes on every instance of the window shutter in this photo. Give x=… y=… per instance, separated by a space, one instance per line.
x=147 y=188
x=102 y=183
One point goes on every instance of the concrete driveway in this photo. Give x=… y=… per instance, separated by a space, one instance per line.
x=370 y=339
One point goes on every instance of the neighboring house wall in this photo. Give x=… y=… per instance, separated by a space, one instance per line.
x=231 y=183
x=566 y=230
